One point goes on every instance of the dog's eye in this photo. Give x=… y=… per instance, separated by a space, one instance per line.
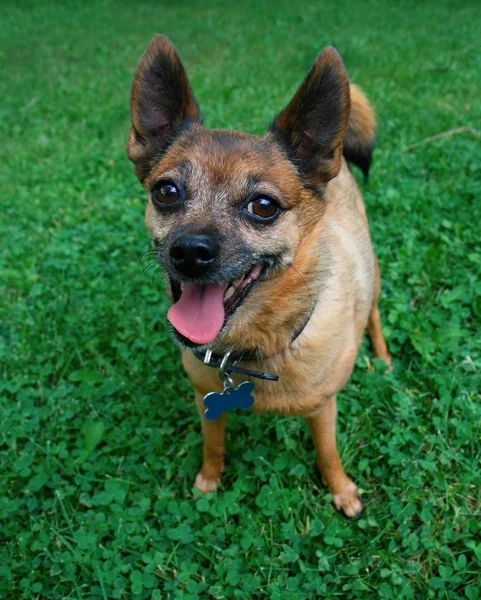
x=165 y=194
x=263 y=208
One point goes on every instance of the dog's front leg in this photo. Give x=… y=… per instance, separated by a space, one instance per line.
x=208 y=478
x=322 y=426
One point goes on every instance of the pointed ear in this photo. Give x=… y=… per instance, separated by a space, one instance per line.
x=313 y=124
x=161 y=104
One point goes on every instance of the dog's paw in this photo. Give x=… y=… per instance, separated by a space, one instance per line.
x=348 y=501
x=387 y=358
x=205 y=485
x=388 y=361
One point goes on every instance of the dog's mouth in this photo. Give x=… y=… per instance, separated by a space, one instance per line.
x=200 y=311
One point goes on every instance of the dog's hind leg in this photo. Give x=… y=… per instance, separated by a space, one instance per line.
x=208 y=478
x=322 y=426
x=374 y=329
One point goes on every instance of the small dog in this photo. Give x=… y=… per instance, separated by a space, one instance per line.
x=265 y=245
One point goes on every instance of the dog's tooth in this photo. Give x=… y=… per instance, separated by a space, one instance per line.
x=245 y=283
x=237 y=282
x=229 y=293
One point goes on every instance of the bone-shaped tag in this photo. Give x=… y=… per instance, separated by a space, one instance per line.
x=240 y=397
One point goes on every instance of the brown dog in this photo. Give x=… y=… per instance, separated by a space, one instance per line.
x=265 y=244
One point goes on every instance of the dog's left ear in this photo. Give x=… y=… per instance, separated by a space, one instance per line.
x=161 y=104
x=314 y=123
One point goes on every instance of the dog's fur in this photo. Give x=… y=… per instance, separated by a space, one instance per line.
x=319 y=262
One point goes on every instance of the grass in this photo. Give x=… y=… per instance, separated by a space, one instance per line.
x=100 y=440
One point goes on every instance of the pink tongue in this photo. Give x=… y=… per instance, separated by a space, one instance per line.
x=199 y=313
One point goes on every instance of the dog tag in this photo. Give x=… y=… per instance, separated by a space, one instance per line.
x=230 y=398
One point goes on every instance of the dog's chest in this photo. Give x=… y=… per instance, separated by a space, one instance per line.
x=305 y=379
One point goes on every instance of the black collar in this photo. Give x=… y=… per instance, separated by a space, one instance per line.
x=247 y=355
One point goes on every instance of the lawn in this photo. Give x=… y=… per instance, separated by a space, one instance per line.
x=99 y=436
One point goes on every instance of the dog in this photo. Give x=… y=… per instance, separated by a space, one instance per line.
x=265 y=246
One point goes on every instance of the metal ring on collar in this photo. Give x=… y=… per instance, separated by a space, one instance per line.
x=223 y=363
x=228 y=381
x=225 y=359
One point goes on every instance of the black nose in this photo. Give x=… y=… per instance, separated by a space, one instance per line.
x=194 y=253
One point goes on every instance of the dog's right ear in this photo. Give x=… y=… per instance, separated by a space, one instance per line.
x=161 y=104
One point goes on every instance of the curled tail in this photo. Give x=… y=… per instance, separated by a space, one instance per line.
x=359 y=140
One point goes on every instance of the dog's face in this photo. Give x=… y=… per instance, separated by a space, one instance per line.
x=223 y=216
x=228 y=212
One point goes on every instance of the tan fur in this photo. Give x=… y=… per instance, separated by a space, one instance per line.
x=362 y=121
x=327 y=273
x=320 y=361
x=323 y=356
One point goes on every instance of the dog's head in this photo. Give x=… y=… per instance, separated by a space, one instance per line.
x=231 y=215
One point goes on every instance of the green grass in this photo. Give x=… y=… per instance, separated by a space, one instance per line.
x=100 y=440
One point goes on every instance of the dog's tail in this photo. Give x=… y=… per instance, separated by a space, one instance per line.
x=361 y=131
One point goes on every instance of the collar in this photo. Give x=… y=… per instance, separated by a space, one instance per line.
x=220 y=362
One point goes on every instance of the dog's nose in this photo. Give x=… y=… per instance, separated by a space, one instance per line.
x=194 y=253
